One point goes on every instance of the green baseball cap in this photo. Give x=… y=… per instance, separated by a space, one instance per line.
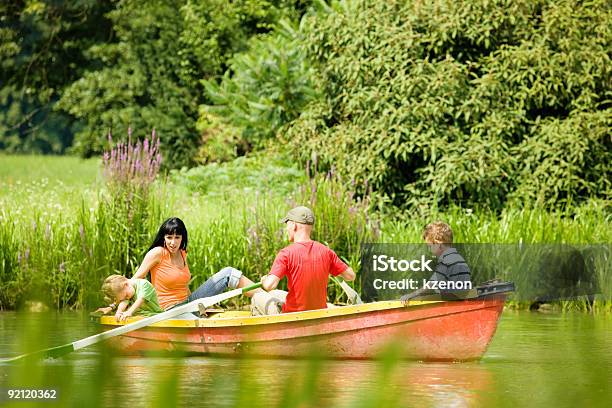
x=301 y=214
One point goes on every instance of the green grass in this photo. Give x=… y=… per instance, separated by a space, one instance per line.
x=587 y=224
x=244 y=175
x=46 y=186
x=60 y=234
x=65 y=170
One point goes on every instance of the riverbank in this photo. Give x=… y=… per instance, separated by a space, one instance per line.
x=56 y=248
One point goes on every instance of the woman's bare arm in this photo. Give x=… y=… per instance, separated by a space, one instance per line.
x=151 y=259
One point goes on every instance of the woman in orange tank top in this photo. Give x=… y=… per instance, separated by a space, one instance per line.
x=166 y=260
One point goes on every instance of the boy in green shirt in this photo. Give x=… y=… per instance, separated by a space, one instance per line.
x=123 y=291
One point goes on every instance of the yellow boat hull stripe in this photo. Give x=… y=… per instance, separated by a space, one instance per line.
x=244 y=318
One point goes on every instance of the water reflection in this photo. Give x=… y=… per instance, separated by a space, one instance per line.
x=532 y=361
x=458 y=385
x=330 y=383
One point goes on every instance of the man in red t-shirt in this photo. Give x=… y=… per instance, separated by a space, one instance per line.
x=307 y=265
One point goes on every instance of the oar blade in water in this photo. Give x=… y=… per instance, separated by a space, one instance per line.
x=53 y=352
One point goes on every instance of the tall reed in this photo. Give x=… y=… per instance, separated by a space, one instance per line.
x=116 y=236
x=62 y=257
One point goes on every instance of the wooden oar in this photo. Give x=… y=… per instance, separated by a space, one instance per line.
x=192 y=306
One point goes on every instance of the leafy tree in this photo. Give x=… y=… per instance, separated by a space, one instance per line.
x=138 y=82
x=265 y=87
x=41 y=43
x=150 y=77
x=470 y=102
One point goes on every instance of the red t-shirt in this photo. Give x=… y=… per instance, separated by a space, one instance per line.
x=307 y=266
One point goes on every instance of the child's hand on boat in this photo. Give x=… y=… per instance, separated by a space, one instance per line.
x=122 y=316
x=125 y=315
x=120 y=310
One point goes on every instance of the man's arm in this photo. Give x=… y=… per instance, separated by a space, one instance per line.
x=269 y=282
x=348 y=274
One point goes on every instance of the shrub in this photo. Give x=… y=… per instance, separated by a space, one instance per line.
x=475 y=103
x=263 y=173
x=149 y=73
x=220 y=141
x=265 y=87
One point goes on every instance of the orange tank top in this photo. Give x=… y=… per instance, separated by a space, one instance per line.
x=170 y=281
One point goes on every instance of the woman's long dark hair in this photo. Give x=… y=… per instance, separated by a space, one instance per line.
x=171 y=226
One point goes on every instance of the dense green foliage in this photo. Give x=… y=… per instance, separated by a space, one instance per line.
x=265 y=87
x=81 y=69
x=151 y=75
x=467 y=102
x=432 y=103
x=244 y=175
x=41 y=52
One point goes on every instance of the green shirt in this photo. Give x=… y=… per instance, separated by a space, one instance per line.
x=144 y=289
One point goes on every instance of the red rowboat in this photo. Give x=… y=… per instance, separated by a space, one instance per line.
x=456 y=330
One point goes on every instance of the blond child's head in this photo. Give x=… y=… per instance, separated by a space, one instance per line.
x=438 y=235
x=116 y=288
x=438 y=232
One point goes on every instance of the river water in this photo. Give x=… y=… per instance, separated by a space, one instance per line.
x=534 y=360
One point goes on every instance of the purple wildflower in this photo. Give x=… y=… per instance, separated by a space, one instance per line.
x=132 y=163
